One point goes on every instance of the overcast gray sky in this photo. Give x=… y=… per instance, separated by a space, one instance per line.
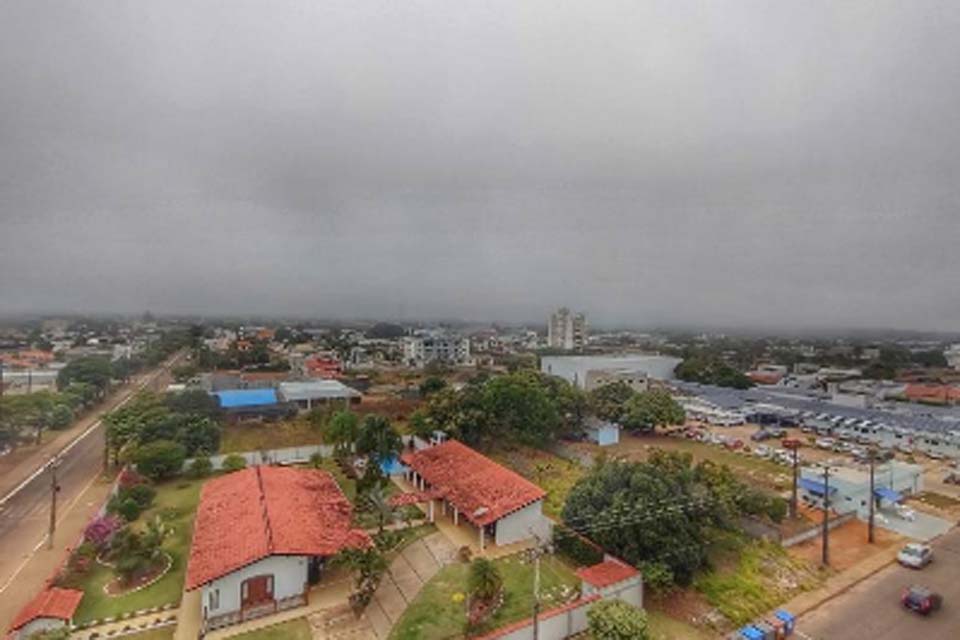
x=723 y=163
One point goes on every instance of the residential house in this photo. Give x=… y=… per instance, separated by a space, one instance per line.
x=262 y=537
x=51 y=609
x=502 y=506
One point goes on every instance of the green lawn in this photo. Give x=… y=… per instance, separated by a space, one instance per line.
x=438 y=611
x=176 y=502
x=750 y=577
x=260 y=436
x=297 y=629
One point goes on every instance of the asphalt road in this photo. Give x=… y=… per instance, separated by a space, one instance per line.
x=25 y=515
x=872 y=608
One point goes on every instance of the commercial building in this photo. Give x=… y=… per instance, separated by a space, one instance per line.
x=421 y=350
x=251 y=404
x=306 y=395
x=636 y=379
x=849 y=488
x=574 y=369
x=262 y=537
x=567 y=330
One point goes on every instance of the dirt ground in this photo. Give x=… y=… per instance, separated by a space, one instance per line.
x=848 y=543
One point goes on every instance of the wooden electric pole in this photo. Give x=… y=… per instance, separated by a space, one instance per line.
x=54 y=490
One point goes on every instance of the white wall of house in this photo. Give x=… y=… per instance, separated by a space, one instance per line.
x=39 y=625
x=519 y=524
x=604 y=435
x=289 y=579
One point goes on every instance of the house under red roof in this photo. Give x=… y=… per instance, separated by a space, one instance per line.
x=607 y=573
x=249 y=515
x=53 y=602
x=482 y=490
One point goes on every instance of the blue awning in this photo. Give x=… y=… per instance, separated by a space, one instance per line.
x=815 y=487
x=242 y=398
x=887 y=494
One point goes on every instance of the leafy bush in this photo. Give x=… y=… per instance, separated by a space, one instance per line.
x=234 y=462
x=129 y=477
x=160 y=459
x=99 y=533
x=142 y=494
x=658 y=577
x=617 y=620
x=127 y=508
x=201 y=467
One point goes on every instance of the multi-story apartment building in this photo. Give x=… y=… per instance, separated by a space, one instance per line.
x=419 y=350
x=567 y=330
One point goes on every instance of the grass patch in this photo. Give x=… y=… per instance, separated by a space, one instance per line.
x=663 y=627
x=176 y=503
x=436 y=612
x=259 y=436
x=553 y=474
x=938 y=500
x=750 y=577
x=298 y=629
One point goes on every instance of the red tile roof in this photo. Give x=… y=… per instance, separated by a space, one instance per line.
x=610 y=571
x=482 y=490
x=248 y=515
x=49 y=603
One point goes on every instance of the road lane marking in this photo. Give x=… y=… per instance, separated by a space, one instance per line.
x=42 y=468
x=43 y=540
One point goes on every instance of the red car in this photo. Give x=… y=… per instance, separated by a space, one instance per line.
x=921 y=600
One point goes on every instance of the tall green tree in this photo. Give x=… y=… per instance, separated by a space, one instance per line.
x=93 y=370
x=609 y=401
x=377 y=439
x=343 y=429
x=651 y=409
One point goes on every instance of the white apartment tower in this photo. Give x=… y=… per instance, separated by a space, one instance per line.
x=567 y=330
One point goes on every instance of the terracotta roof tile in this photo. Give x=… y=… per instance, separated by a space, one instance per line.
x=251 y=514
x=482 y=490
x=606 y=573
x=49 y=603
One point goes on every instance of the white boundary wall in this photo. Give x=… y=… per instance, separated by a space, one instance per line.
x=288 y=455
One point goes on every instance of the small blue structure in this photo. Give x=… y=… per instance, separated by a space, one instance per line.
x=885 y=493
x=392 y=466
x=751 y=633
x=815 y=487
x=246 y=398
x=602 y=432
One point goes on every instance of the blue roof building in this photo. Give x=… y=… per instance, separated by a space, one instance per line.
x=246 y=398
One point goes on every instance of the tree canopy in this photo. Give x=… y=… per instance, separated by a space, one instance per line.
x=651 y=409
x=616 y=620
x=95 y=371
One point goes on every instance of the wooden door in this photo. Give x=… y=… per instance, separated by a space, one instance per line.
x=255 y=591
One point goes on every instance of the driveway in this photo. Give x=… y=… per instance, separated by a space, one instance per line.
x=409 y=571
x=872 y=608
x=923 y=527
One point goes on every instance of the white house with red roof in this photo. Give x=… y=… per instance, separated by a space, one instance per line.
x=262 y=537
x=503 y=506
x=51 y=609
x=613 y=578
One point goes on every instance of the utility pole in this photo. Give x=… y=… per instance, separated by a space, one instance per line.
x=794 y=445
x=872 y=454
x=825 y=559
x=536 y=596
x=54 y=490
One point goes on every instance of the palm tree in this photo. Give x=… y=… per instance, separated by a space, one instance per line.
x=343 y=429
x=378 y=439
x=379 y=504
x=484 y=581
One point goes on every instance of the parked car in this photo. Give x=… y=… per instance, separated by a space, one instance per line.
x=825 y=443
x=951 y=478
x=915 y=555
x=762 y=451
x=921 y=599
x=761 y=435
x=777 y=432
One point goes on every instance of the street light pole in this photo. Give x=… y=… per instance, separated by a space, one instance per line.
x=794 y=445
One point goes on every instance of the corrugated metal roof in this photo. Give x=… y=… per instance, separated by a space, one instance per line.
x=316 y=390
x=238 y=398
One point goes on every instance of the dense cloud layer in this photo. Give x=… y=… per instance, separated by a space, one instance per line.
x=649 y=162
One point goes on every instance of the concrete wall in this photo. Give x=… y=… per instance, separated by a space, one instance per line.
x=519 y=524
x=39 y=625
x=630 y=591
x=604 y=436
x=815 y=530
x=289 y=579
x=571 y=621
x=288 y=455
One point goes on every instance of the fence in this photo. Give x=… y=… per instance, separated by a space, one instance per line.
x=288 y=455
x=554 y=624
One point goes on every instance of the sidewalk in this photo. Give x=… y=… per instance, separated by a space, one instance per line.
x=136 y=623
x=840 y=583
x=39 y=565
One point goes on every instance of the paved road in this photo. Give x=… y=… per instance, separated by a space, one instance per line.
x=25 y=515
x=872 y=608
